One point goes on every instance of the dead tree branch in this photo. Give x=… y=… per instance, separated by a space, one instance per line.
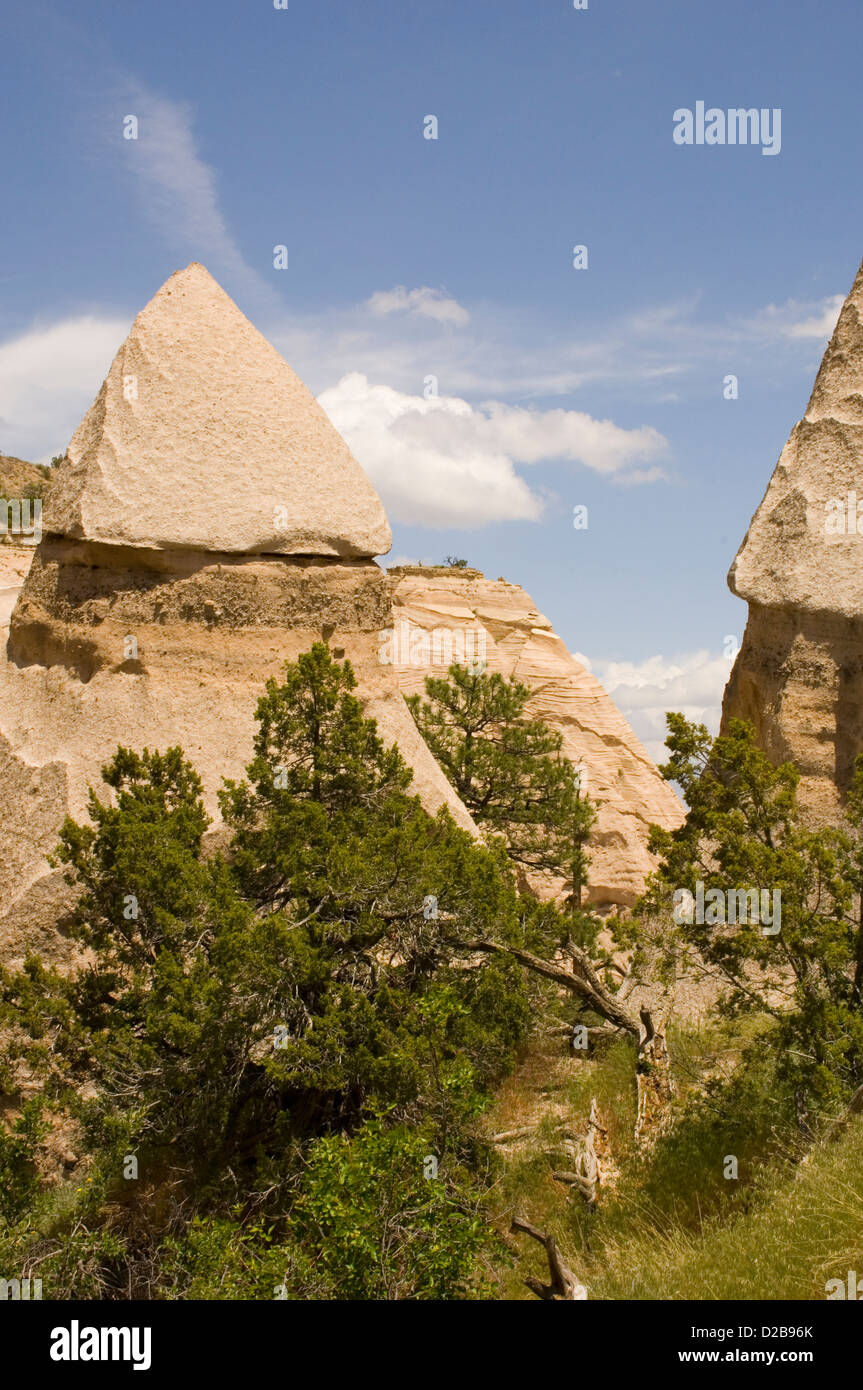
x=564 y=1286
x=653 y=1067
x=586 y=1174
x=508 y=1135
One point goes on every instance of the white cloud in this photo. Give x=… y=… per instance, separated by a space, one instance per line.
x=428 y=303
x=793 y=320
x=691 y=683
x=443 y=462
x=391 y=562
x=427 y=458
x=48 y=376
x=533 y=435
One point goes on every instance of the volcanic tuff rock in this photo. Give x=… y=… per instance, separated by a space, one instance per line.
x=208 y=630
x=18 y=480
x=154 y=609
x=203 y=437
x=500 y=624
x=168 y=584
x=799 y=674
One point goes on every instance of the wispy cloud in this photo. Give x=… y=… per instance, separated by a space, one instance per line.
x=428 y=303
x=177 y=189
x=659 y=354
x=682 y=322
x=793 y=320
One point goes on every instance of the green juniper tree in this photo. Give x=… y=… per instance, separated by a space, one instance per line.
x=743 y=836
x=233 y=1011
x=509 y=771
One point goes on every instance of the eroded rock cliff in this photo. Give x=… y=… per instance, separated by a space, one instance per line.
x=465 y=616
x=799 y=673
x=206 y=525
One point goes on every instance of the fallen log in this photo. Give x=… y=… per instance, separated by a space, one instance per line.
x=508 y=1135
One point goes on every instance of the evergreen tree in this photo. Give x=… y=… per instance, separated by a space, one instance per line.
x=774 y=907
x=509 y=771
x=232 y=1010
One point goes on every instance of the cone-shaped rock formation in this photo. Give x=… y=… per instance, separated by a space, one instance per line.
x=203 y=438
x=207 y=524
x=799 y=674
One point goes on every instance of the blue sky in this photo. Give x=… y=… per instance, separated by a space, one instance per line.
x=410 y=258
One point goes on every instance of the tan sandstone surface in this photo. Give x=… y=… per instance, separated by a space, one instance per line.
x=501 y=625
x=163 y=594
x=799 y=673
x=209 y=631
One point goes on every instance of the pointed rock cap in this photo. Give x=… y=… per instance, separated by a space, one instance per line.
x=800 y=550
x=202 y=437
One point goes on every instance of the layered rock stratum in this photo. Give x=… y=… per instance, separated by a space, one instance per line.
x=112 y=645
x=448 y=614
x=161 y=598
x=799 y=674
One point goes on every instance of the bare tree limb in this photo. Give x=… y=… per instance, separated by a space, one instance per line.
x=582 y=980
x=507 y=1135
x=564 y=1286
x=653 y=1068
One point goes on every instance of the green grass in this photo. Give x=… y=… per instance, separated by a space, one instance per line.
x=807 y=1228
x=672 y=1226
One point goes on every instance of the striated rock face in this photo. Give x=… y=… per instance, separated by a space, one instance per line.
x=442 y=615
x=150 y=648
x=209 y=629
x=799 y=674
x=203 y=437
